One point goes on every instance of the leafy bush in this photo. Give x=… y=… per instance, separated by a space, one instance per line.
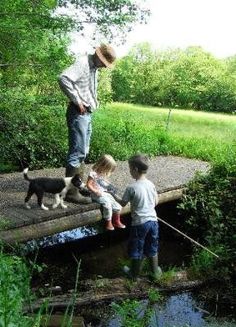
x=33 y=125
x=209 y=207
x=124 y=134
x=14 y=291
x=33 y=130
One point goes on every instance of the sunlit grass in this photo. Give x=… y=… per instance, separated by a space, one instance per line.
x=126 y=128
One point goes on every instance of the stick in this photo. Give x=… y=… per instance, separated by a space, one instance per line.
x=163 y=221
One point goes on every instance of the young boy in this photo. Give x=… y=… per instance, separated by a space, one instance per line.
x=143 y=198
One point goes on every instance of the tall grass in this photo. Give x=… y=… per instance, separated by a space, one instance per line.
x=122 y=129
x=14 y=291
x=16 y=297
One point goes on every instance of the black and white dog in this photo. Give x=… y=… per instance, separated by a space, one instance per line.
x=57 y=186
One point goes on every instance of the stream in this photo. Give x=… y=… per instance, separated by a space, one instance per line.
x=102 y=255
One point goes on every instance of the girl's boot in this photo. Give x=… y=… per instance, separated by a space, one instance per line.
x=116 y=220
x=109 y=225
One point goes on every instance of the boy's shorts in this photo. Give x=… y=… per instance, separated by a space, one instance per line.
x=143 y=240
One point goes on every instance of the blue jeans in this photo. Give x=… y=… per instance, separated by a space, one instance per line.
x=79 y=134
x=143 y=240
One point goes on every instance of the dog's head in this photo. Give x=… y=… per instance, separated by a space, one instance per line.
x=77 y=181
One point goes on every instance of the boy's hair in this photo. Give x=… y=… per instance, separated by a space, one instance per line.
x=140 y=162
x=105 y=164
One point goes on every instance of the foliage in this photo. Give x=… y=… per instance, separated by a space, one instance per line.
x=14 y=291
x=231 y=65
x=209 y=207
x=127 y=129
x=133 y=313
x=104 y=87
x=33 y=52
x=189 y=78
x=34 y=133
x=16 y=296
x=167 y=277
x=41 y=140
x=123 y=135
x=110 y=18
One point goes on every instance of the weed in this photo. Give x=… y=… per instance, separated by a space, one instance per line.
x=4 y=223
x=133 y=313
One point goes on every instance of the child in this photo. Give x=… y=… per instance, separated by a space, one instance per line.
x=99 y=187
x=143 y=198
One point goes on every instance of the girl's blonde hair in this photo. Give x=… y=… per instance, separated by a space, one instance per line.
x=105 y=165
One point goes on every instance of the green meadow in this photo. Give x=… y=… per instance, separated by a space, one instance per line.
x=122 y=129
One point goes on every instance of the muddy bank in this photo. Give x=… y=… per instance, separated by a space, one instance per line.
x=103 y=290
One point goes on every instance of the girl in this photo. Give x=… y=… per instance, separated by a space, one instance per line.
x=98 y=186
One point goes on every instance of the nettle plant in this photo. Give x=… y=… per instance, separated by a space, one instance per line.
x=209 y=209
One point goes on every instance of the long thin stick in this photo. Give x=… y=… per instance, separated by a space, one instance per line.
x=163 y=221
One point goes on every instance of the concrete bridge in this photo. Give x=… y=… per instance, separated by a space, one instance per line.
x=17 y=224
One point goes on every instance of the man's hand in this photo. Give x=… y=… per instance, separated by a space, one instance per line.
x=81 y=109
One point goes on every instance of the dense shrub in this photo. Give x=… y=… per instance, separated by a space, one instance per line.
x=14 y=291
x=32 y=130
x=33 y=125
x=209 y=207
x=123 y=134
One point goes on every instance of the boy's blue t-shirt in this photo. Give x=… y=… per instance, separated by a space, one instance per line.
x=142 y=196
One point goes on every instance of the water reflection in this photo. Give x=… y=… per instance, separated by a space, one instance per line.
x=179 y=310
x=63 y=237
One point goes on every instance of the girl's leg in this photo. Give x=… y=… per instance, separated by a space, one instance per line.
x=116 y=208
x=116 y=220
x=106 y=210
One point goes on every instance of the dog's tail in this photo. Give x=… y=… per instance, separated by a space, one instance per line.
x=25 y=171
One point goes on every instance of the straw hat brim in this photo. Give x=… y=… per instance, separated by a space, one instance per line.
x=102 y=58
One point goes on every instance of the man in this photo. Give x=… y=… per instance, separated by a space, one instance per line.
x=79 y=83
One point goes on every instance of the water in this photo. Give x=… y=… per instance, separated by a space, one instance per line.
x=100 y=252
x=179 y=310
x=63 y=237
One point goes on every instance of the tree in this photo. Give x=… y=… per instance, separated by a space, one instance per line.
x=185 y=78
x=33 y=51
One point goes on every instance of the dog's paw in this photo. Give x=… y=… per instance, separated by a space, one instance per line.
x=64 y=206
x=44 y=207
x=55 y=205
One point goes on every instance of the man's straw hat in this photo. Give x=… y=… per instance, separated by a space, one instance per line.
x=106 y=54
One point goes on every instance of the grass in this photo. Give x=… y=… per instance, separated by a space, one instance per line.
x=16 y=295
x=122 y=129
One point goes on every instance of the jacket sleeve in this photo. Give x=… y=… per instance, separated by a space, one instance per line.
x=68 y=88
